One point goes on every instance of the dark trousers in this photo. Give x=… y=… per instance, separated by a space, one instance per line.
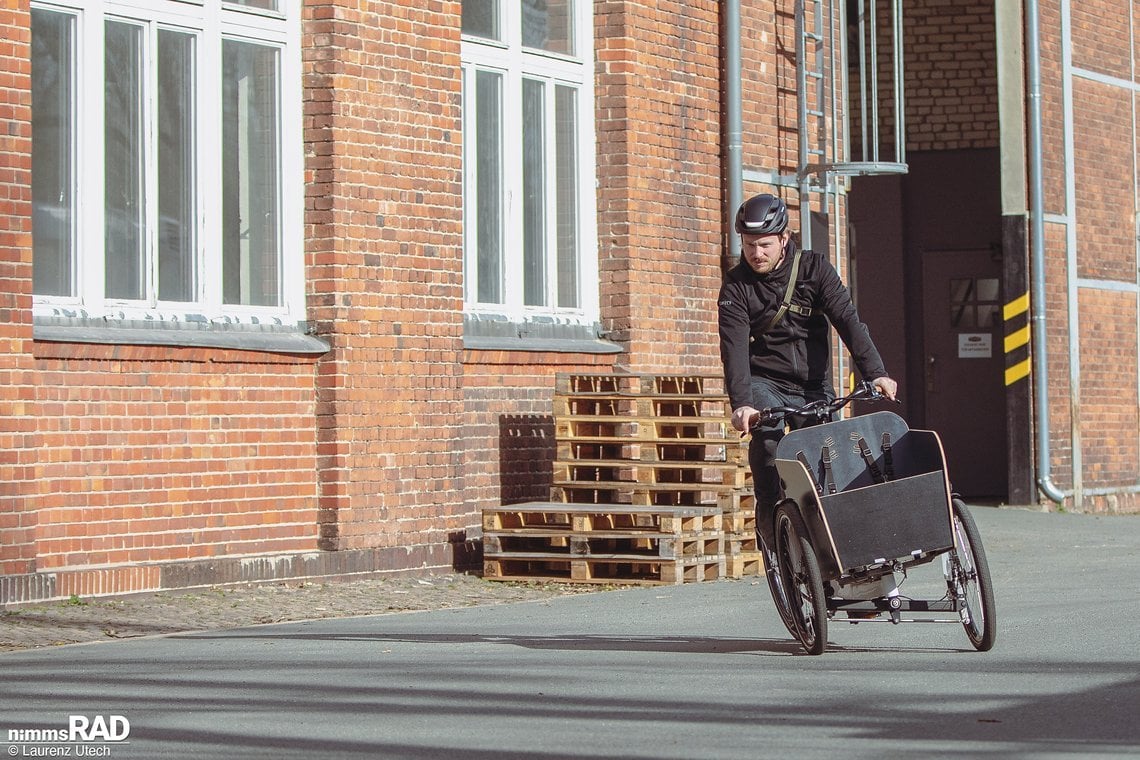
x=762 y=449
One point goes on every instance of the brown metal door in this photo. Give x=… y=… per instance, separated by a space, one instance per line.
x=964 y=395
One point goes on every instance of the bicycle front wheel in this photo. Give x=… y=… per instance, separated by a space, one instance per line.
x=776 y=588
x=801 y=578
x=970 y=580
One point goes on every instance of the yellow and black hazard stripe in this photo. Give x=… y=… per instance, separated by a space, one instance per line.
x=1015 y=314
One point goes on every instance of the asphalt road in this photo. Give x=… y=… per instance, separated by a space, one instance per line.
x=696 y=671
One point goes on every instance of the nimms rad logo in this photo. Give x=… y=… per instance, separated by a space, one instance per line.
x=80 y=728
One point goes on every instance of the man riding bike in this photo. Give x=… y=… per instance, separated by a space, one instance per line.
x=774 y=310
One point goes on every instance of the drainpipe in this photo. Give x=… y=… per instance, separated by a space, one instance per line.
x=734 y=129
x=1037 y=257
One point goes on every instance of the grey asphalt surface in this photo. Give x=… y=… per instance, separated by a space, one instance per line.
x=696 y=671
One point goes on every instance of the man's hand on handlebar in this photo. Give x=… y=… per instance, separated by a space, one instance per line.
x=744 y=418
x=887 y=387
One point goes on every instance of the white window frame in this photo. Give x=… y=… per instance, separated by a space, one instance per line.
x=508 y=58
x=211 y=22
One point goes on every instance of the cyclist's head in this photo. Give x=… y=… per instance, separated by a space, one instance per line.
x=762 y=214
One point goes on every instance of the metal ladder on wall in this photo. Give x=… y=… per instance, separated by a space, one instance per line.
x=823 y=101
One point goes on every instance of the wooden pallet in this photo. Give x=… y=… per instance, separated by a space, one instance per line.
x=600 y=428
x=739 y=523
x=606 y=544
x=572 y=517
x=612 y=543
x=616 y=569
x=609 y=473
x=743 y=500
x=743 y=565
x=716 y=451
x=663 y=384
x=700 y=495
x=741 y=543
x=686 y=407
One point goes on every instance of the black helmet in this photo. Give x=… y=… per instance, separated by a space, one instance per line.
x=762 y=214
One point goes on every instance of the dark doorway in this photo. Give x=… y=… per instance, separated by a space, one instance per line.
x=964 y=364
x=927 y=276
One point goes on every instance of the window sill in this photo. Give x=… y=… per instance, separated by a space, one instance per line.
x=555 y=345
x=496 y=333
x=273 y=339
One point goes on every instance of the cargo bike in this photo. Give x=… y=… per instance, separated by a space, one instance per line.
x=867 y=499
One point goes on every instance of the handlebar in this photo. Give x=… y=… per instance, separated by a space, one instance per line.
x=821 y=410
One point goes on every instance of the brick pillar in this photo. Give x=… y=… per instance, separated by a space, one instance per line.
x=18 y=432
x=659 y=170
x=385 y=275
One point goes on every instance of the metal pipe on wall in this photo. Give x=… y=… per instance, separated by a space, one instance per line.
x=1037 y=255
x=734 y=121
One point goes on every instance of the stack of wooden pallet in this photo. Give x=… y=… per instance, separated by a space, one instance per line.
x=636 y=453
x=602 y=543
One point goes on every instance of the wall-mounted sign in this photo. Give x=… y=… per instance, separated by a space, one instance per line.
x=975 y=345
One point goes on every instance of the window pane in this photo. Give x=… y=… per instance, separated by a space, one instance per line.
x=989 y=316
x=963 y=317
x=534 y=193
x=251 y=245
x=481 y=18
x=548 y=25
x=566 y=189
x=489 y=185
x=961 y=290
x=124 y=229
x=268 y=5
x=988 y=289
x=176 y=178
x=53 y=179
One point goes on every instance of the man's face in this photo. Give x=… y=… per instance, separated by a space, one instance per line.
x=764 y=252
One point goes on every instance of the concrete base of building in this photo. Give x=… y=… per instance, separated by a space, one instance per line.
x=83 y=582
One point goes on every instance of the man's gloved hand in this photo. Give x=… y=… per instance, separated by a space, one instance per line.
x=743 y=418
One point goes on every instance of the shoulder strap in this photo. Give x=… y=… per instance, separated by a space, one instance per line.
x=780 y=312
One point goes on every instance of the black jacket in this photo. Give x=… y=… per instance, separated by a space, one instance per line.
x=796 y=353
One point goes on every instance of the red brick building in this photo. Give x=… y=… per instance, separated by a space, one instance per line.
x=285 y=284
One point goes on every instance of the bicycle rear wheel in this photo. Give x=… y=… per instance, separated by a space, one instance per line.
x=801 y=579
x=969 y=580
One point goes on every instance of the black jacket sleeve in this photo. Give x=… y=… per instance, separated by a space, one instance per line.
x=836 y=302
x=735 y=331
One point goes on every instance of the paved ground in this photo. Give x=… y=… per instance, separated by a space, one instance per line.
x=88 y=620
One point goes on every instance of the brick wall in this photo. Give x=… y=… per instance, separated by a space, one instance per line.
x=659 y=196
x=1104 y=187
x=1109 y=418
x=1052 y=109
x=951 y=74
x=950 y=63
x=384 y=231
x=1105 y=181
x=158 y=455
x=189 y=464
x=19 y=439
x=509 y=441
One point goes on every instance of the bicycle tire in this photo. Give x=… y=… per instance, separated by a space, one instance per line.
x=801 y=576
x=775 y=588
x=971 y=580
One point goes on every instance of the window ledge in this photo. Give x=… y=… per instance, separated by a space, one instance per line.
x=268 y=338
x=556 y=345
x=496 y=333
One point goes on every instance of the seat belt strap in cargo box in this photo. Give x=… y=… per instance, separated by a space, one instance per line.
x=888 y=460
x=869 y=458
x=811 y=474
x=828 y=478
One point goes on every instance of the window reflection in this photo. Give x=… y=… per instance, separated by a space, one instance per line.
x=547 y=25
